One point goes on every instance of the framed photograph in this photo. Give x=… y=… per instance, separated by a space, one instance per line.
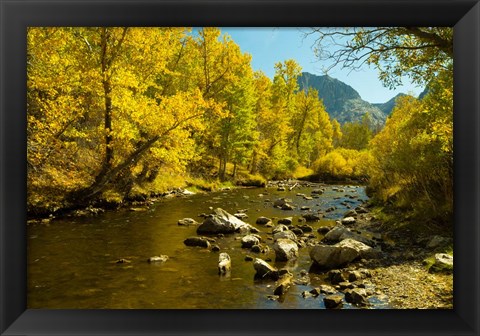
x=238 y=167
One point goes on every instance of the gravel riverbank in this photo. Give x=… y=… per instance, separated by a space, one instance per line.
x=402 y=275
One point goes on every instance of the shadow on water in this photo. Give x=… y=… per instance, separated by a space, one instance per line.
x=72 y=262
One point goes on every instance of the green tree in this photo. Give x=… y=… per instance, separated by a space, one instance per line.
x=356 y=135
x=274 y=119
x=414 y=154
x=312 y=129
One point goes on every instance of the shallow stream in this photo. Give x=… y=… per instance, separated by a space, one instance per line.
x=72 y=261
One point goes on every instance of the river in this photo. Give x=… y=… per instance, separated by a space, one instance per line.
x=72 y=261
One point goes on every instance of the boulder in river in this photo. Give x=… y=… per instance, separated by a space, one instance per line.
x=332 y=301
x=279 y=228
x=339 y=233
x=241 y=215
x=285 y=249
x=297 y=231
x=250 y=240
x=158 y=259
x=348 y=220
x=336 y=276
x=306 y=228
x=224 y=263
x=223 y=222
x=328 y=257
x=285 y=221
x=187 y=222
x=354 y=276
x=283 y=284
x=357 y=296
x=364 y=251
x=280 y=202
x=287 y=207
x=197 y=241
x=187 y=192
x=351 y=213
x=324 y=229
x=361 y=210
x=264 y=270
x=263 y=220
x=326 y=289
x=285 y=234
x=123 y=261
x=312 y=217
x=260 y=248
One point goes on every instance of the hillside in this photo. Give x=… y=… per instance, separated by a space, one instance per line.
x=387 y=107
x=343 y=102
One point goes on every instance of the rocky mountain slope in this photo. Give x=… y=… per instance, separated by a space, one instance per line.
x=343 y=102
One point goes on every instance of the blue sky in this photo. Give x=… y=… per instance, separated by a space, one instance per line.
x=271 y=45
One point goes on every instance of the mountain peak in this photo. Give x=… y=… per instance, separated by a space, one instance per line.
x=342 y=102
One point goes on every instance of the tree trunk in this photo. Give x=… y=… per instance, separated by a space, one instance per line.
x=107 y=91
x=234 y=170
x=85 y=195
x=253 y=162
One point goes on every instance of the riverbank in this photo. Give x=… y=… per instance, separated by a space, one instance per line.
x=405 y=274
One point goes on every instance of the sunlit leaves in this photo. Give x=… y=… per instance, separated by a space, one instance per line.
x=419 y=53
x=414 y=153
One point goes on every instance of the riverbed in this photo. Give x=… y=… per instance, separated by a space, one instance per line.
x=72 y=262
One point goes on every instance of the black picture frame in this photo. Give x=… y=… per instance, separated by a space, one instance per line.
x=16 y=16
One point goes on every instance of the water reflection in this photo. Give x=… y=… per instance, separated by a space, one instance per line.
x=72 y=262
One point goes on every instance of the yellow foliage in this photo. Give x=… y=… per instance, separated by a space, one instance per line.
x=343 y=163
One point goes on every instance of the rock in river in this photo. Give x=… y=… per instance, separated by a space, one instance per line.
x=285 y=235
x=328 y=257
x=283 y=285
x=162 y=258
x=263 y=220
x=224 y=263
x=264 y=270
x=197 y=241
x=339 y=233
x=285 y=249
x=332 y=301
x=223 y=222
x=311 y=217
x=280 y=202
x=187 y=221
x=364 y=251
x=260 y=248
x=287 y=206
x=348 y=220
x=280 y=228
x=356 y=296
x=241 y=215
x=285 y=221
x=250 y=240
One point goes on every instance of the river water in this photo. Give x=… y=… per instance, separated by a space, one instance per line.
x=72 y=261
